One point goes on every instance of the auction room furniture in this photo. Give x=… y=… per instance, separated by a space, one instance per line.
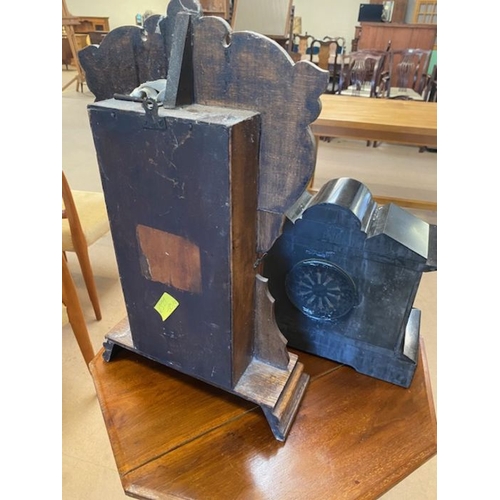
x=407 y=74
x=361 y=76
x=325 y=53
x=95 y=27
x=85 y=220
x=302 y=44
x=89 y=24
x=68 y=25
x=402 y=122
x=401 y=36
x=72 y=313
x=175 y=437
x=81 y=41
x=390 y=120
x=80 y=32
x=219 y=8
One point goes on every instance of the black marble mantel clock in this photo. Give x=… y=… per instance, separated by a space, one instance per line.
x=345 y=273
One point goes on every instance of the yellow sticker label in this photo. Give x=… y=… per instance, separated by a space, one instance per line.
x=166 y=305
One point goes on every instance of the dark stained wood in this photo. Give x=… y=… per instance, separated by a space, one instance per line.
x=270 y=344
x=354 y=438
x=126 y=57
x=176 y=180
x=175 y=60
x=246 y=70
x=181 y=194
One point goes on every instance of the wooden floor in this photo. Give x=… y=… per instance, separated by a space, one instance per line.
x=88 y=467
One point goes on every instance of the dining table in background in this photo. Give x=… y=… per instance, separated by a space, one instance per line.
x=412 y=123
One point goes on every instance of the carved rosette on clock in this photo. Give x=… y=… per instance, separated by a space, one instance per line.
x=196 y=186
x=345 y=273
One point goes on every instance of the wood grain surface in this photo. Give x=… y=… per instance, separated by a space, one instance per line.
x=246 y=70
x=403 y=122
x=175 y=437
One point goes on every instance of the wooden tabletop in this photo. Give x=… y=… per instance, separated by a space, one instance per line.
x=390 y=120
x=175 y=437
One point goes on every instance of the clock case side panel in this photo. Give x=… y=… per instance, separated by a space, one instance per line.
x=244 y=150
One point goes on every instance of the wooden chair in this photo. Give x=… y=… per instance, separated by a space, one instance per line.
x=84 y=221
x=430 y=92
x=361 y=74
x=301 y=44
x=72 y=313
x=407 y=77
x=320 y=52
x=337 y=48
x=325 y=54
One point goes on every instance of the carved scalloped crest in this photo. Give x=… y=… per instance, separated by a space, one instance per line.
x=250 y=71
x=127 y=57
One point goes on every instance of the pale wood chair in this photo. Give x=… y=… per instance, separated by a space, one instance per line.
x=325 y=53
x=301 y=44
x=84 y=221
x=72 y=313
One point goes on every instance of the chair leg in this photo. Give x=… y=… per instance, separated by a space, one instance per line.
x=88 y=277
x=75 y=314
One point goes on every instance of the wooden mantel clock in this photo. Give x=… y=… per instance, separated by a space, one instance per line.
x=203 y=143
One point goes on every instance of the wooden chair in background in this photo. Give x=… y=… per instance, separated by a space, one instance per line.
x=361 y=74
x=407 y=77
x=337 y=49
x=72 y=313
x=325 y=54
x=84 y=221
x=430 y=92
x=301 y=45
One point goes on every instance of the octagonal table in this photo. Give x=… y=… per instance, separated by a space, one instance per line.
x=175 y=437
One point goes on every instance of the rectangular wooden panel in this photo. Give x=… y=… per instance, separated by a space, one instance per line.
x=181 y=194
x=401 y=36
